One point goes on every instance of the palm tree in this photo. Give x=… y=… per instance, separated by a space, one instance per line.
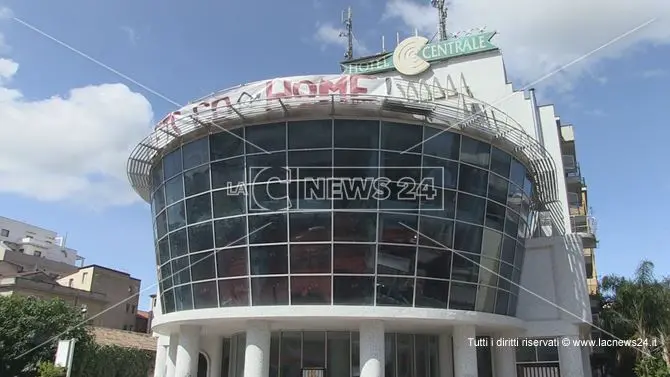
x=638 y=309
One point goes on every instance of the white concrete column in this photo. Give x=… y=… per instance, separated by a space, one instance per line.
x=172 y=355
x=257 y=352
x=504 y=356
x=446 y=356
x=372 y=356
x=465 y=352
x=188 y=351
x=160 y=366
x=570 y=358
x=215 y=353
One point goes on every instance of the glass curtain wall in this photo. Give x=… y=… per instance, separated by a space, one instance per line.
x=235 y=227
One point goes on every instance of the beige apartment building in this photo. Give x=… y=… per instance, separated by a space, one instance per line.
x=39 y=285
x=120 y=290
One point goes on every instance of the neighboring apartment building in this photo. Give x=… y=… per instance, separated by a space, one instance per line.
x=120 y=290
x=33 y=240
x=581 y=217
x=40 y=285
x=583 y=223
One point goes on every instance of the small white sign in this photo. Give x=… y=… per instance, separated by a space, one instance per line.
x=64 y=354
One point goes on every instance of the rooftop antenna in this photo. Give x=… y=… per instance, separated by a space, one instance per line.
x=383 y=45
x=442 y=15
x=348 y=33
x=397 y=38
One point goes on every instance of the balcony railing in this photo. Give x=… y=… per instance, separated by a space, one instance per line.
x=585 y=225
x=574 y=177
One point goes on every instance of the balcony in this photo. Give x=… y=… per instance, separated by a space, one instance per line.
x=574 y=179
x=585 y=226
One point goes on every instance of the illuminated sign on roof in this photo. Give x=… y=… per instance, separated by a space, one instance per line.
x=414 y=55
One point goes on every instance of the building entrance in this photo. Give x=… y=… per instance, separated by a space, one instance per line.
x=336 y=354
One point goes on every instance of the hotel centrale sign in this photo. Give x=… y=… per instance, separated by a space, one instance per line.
x=414 y=55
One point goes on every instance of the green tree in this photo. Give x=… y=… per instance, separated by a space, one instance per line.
x=26 y=324
x=639 y=309
x=48 y=369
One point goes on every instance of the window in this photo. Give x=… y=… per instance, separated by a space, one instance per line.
x=132 y=310
x=4 y=232
x=125 y=327
x=70 y=283
x=38 y=253
x=127 y=308
x=83 y=277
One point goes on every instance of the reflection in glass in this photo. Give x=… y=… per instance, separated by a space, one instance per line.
x=394 y=291
x=291 y=352
x=314 y=349
x=353 y=290
x=401 y=137
x=174 y=190
x=172 y=164
x=196 y=180
x=441 y=143
x=178 y=243
x=200 y=237
x=228 y=203
x=205 y=295
x=475 y=152
x=396 y=260
x=228 y=173
x=310 y=134
x=308 y=258
x=226 y=144
x=354 y=259
x=339 y=357
x=232 y=262
x=230 y=232
x=462 y=296
x=310 y=227
x=267 y=228
x=355 y=227
x=405 y=354
x=363 y=134
x=269 y=291
x=500 y=162
x=203 y=266
x=175 y=216
x=433 y=263
x=398 y=228
x=183 y=297
x=431 y=293
x=266 y=138
x=199 y=208
x=234 y=292
x=471 y=208
x=436 y=232
x=310 y=290
x=268 y=260
x=473 y=180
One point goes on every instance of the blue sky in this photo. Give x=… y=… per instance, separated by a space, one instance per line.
x=616 y=99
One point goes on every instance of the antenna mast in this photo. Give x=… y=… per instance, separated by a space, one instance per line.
x=442 y=15
x=348 y=33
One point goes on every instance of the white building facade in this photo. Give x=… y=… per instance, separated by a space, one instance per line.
x=271 y=266
x=33 y=240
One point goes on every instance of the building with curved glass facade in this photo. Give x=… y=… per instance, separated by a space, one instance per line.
x=370 y=226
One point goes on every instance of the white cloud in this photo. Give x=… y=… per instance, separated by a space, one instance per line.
x=327 y=34
x=5 y=13
x=653 y=73
x=539 y=38
x=8 y=69
x=130 y=33
x=73 y=147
